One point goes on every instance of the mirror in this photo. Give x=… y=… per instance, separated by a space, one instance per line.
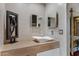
x=34 y=20
x=76 y=26
x=53 y=22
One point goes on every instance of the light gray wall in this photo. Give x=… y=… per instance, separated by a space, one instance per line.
x=51 y=10
x=63 y=25
x=75 y=7
x=2 y=17
x=24 y=12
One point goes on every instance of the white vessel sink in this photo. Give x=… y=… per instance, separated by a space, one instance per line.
x=42 y=38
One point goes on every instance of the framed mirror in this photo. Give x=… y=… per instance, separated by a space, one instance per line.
x=34 y=20
x=53 y=21
x=76 y=25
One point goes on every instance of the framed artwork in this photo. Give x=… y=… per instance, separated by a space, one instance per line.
x=11 y=26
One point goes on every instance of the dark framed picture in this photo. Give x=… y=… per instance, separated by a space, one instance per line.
x=11 y=25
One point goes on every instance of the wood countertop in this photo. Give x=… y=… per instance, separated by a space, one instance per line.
x=27 y=47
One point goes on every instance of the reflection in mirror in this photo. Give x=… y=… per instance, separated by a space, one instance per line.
x=53 y=22
x=76 y=26
x=34 y=20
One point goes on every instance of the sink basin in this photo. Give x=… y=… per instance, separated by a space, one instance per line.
x=42 y=38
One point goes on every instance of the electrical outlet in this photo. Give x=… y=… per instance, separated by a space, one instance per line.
x=61 y=31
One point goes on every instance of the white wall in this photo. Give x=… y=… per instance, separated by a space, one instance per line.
x=51 y=10
x=63 y=25
x=2 y=17
x=24 y=12
x=75 y=7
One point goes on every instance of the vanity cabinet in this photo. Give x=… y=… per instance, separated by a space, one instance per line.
x=36 y=49
x=52 y=52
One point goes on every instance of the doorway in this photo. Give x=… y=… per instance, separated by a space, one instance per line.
x=74 y=41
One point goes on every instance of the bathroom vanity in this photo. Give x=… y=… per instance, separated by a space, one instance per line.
x=28 y=48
